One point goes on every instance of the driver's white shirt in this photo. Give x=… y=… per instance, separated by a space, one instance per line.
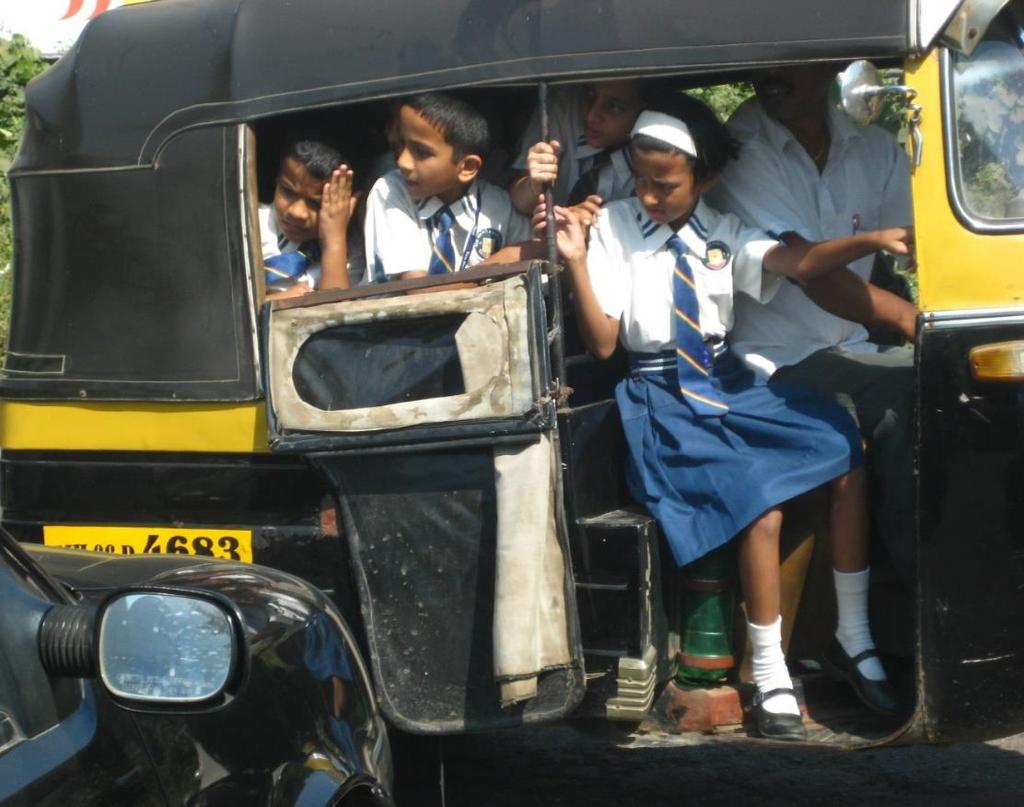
x=775 y=185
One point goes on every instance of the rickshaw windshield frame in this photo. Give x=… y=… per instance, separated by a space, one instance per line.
x=977 y=190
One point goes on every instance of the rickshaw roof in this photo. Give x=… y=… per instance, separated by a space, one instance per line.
x=142 y=73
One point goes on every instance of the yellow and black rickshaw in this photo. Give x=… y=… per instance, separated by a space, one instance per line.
x=368 y=440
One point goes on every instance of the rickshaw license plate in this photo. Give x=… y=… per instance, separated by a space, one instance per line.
x=216 y=543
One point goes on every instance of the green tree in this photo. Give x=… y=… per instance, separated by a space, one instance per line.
x=724 y=98
x=19 y=63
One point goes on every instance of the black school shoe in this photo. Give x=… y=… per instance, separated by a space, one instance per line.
x=878 y=696
x=775 y=726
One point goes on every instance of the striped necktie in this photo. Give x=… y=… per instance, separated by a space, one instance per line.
x=291 y=265
x=693 y=361
x=443 y=258
x=587 y=184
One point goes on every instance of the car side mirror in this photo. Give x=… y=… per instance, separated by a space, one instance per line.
x=159 y=647
x=149 y=647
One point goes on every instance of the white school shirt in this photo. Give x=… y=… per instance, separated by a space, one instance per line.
x=776 y=186
x=565 y=124
x=399 y=235
x=273 y=242
x=631 y=271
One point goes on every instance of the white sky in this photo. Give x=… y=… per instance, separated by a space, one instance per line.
x=51 y=25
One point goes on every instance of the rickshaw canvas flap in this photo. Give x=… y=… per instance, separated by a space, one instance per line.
x=530 y=626
x=450 y=647
x=314 y=378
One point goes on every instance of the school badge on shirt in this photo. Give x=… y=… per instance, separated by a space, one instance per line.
x=487 y=243
x=717 y=255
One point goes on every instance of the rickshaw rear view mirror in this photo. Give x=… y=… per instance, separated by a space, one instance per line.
x=861 y=90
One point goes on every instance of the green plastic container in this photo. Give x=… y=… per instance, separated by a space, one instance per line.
x=709 y=605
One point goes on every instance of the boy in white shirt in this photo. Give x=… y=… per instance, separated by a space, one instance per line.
x=433 y=214
x=304 y=231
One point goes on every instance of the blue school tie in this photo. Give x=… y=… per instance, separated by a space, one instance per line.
x=291 y=265
x=442 y=260
x=587 y=184
x=693 y=360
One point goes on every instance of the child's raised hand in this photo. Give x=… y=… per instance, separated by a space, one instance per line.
x=542 y=163
x=337 y=205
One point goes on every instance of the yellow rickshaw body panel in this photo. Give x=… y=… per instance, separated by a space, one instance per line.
x=134 y=426
x=957 y=269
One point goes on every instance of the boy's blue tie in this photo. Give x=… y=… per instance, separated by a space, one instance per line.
x=291 y=265
x=587 y=184
x=443 y=258
x=693 y=361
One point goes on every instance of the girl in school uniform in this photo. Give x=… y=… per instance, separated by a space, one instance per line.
x=585 y=160
x=713 y=453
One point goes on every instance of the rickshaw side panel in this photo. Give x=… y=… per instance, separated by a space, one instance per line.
x=971 y=466
x=280 y=499
x=131 y=284
x=970 y=435
x=446 y=474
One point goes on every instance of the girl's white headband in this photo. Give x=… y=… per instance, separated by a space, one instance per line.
x=666 y=129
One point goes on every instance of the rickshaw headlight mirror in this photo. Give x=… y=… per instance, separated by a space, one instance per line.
x=1001 y=361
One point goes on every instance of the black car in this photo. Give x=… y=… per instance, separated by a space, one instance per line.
x=176 y=680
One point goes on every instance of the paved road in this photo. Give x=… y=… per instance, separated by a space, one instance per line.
x=599 y=768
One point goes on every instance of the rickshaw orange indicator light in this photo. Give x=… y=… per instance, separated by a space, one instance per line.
x=1002 y=361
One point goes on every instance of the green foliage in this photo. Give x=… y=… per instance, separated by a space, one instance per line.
x=723 y=98
x=19 y=64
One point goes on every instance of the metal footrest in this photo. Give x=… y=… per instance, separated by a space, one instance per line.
x=635 y=684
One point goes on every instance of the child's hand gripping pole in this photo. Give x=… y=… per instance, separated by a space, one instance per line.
x=555 y=336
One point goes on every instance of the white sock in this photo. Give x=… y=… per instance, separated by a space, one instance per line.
x=768 y=666
x=853 y=631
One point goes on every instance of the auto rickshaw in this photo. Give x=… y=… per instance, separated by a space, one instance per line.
x=438 y=462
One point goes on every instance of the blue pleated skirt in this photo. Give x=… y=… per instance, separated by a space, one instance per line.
x=706 y=478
